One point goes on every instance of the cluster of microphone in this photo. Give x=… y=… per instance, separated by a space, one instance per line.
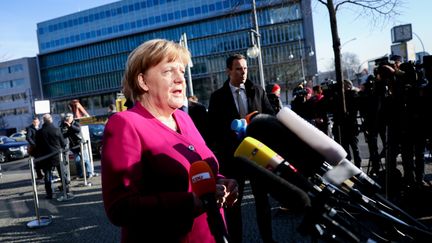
x=306 y=170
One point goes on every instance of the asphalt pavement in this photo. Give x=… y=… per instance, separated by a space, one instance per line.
x=82 y=219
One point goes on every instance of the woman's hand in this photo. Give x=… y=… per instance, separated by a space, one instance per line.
x=226 y=192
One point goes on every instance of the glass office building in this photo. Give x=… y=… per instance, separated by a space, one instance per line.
x=83 y=55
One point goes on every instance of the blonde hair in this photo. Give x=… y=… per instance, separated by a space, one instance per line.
x=145 y=56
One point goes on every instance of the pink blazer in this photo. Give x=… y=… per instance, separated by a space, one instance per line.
x=145 y=177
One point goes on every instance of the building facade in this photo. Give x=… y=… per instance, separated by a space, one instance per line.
x=19 y=87
x=83 y=55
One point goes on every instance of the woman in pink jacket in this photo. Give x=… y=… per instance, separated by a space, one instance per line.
x=148 y=150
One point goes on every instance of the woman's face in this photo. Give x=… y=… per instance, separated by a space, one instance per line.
x=165 y=84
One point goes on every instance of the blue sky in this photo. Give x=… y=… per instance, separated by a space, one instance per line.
x=18 y=19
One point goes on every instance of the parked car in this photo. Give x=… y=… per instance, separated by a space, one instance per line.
x=18 y=136
x=96 y=134
x=11 y=149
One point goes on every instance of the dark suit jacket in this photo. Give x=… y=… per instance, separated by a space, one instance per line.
x=31 y=134
x=48 y=140
x=198 y=113
x=222 y=111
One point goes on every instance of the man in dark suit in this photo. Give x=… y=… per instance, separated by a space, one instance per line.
x=49 y=140
x=31 y=139
x=235 y=99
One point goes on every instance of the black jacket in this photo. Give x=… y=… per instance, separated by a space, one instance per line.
x=72 y=134
x=198 y=113
x=31 y=134
x=49 y=140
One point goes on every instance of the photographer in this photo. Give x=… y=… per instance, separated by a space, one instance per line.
x=299 y=104
x=389 y=74
x=71 y=131
x=372 y=98
x=346 y=126
x=413 y=121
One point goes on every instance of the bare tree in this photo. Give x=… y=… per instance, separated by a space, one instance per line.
x=350 y=63
x=375 y=10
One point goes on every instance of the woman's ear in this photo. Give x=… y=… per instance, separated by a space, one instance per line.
x=142 y=83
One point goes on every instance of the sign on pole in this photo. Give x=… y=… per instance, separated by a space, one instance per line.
x=42 y=107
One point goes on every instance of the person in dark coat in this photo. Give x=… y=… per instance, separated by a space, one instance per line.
x=49 y=140
x=198 y=113
x=318 y=109
x=274 y=98
x=31 y=139
x=349 y=129
x=71 y=130
x=225 y=105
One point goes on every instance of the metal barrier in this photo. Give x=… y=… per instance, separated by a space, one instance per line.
x=84 y=169
x=82 y=154
x=65 y=176
x=40 y=221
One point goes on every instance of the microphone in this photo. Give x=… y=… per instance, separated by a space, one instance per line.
x=263 y=161
x=333 y=152
x=239 y=125
x=204 y=186
x=346 y=170
x=270 y=131
x=316 y=139
x=250 y=116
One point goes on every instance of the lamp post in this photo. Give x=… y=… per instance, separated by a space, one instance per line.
x=311 y=53
x=346 y=42
x=421 y=42
x=346 y=68
x=255 y=50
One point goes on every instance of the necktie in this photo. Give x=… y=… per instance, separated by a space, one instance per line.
x=241 y=105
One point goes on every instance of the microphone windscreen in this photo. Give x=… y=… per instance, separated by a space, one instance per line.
x=280 y=189
x=271 y=132
x=202 y=178
x=238 y=124
x=323 y=144
x=254 y=150
x=250 y=116
x=341 y=172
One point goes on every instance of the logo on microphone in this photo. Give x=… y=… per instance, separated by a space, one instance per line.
x=200 y=177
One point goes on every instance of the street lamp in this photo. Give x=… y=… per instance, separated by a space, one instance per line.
x=346 y=42
x=255 y=50
x=311 y=53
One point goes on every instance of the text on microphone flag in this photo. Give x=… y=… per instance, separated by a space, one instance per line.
x=201 y=177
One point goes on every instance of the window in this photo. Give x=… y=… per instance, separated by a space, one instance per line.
x=16 y=68
x=190 y=12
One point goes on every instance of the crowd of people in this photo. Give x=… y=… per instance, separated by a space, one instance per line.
x=390 y=105
x=48 y=144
